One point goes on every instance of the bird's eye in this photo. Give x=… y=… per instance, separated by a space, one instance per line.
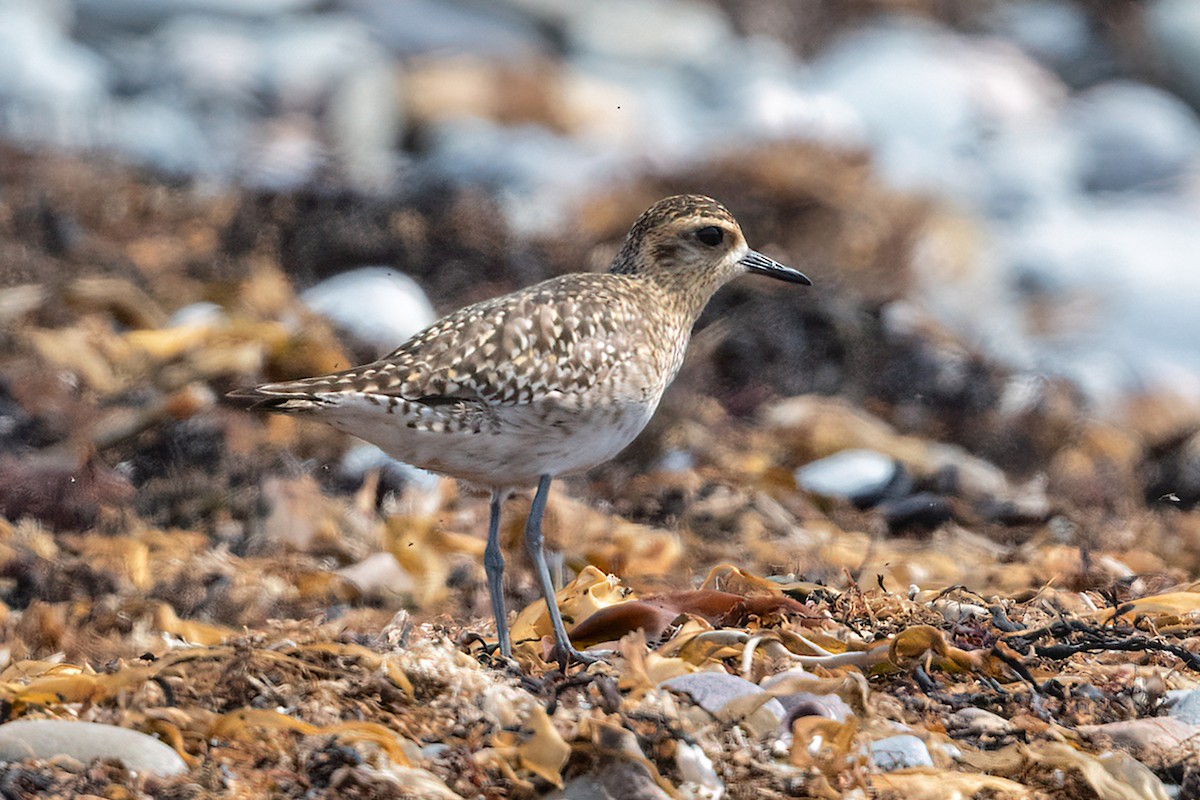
x=711 y=236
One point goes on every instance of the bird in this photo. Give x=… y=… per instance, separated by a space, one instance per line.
x=550 y=380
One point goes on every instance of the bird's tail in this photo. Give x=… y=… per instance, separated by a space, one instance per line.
x=294 y=397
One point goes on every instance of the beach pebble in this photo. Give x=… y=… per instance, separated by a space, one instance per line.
x=1155 y=741
x=616 y=778
x=198 y=314
x=1184 y=706
x=922 y=511
x=807 y=704
x=696 y=769
x=713 y=690
x=903 y=751
x=394 y=475
x=862 y=476
x=379 y=573
x=978 y=722
x=87 y=741
x=380 y=306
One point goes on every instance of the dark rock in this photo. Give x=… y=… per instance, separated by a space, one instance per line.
x=923 y=511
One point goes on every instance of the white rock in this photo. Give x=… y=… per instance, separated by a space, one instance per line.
x=381 y=306
x=903 y=751
x=853 y=474
x=958 y=611
x=1184 y=705
x=379 y=572
x=198 y=314
x=978 y=722
x=87 y=741
x=697 y=770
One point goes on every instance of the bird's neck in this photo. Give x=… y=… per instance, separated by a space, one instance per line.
x=686 y=292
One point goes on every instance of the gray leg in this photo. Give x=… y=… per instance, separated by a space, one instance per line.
x=533 y=544
x=493 y=564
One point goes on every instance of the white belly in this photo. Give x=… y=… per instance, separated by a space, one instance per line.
x=527 y=441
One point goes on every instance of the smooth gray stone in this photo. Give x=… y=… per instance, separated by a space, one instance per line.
x=712 y=690
x=87 y=741
x=614 y=780
x=1184 y=705
x=807 y=704
x=900 y=752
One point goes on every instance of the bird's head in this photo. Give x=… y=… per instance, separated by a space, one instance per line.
x=693 y=241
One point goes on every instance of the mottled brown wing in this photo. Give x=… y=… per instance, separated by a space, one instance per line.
x=505 y=350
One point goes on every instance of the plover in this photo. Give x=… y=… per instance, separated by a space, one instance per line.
x=549 y=380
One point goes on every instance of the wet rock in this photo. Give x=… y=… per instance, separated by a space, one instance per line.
x=87 y=741
x=1174 y=473
x=381 y=307
x=862 y=476
x=140 y=15
x=394 y=476
x=923 y=511
x=807 y=704
x=903 y=751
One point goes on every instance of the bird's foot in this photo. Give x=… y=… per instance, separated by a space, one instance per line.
x=565 y=656
x=495 y=651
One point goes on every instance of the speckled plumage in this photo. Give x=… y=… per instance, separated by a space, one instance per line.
x=548 y=380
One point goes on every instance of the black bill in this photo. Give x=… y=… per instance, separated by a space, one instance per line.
x=757 y=262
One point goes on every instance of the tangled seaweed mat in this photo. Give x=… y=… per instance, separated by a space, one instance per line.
x=325 y=710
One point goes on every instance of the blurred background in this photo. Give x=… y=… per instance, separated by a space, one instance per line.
x=1056 y=142
x=998 y=201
